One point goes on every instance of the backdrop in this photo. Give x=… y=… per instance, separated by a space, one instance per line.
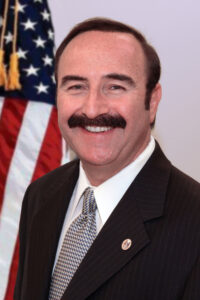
x=172 y=27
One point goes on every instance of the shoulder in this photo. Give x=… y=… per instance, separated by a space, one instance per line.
x=49 y=186
x=183 y=200
x=177 y=181
x=57 y=177
x=181 y=191
x=183 y=184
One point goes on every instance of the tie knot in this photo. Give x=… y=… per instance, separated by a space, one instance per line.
x=89 y=203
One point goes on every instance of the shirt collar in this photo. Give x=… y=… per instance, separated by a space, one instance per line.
x=109 y=193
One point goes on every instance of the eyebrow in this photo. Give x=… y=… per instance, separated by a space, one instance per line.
x=115 y=76
x=68 y=78
x=121 y=77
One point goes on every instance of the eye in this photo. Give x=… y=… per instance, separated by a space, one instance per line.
x=75 y=87
x=116 y=87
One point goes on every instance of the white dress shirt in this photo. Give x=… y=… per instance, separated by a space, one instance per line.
x=107 y=195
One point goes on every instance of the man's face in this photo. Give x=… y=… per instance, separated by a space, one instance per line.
x=102 y=74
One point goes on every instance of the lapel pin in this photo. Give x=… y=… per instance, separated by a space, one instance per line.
x=126 y=244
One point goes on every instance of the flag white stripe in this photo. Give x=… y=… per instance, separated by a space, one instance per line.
x=20 y=173
x=1 y=104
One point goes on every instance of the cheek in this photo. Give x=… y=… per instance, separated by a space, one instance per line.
x=136 y=117
x=128 y=112
x=65 y=109
x=62 y=117
x=130 y=105
x=68 y=105
x=62 y=101
x=64 y=114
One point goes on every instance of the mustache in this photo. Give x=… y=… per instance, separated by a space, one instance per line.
x=103 y=120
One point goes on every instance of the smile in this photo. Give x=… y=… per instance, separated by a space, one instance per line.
x=97 y=129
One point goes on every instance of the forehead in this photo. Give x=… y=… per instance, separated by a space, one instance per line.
x=103 y=49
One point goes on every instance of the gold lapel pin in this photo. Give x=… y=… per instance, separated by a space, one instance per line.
x=126 y=244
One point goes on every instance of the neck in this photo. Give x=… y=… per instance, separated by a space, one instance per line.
x=97 y=174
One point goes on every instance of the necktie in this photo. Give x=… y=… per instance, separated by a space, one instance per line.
x=77 y=241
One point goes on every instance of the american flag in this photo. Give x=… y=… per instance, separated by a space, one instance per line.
x=30 y=142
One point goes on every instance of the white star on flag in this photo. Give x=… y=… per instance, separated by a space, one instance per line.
x=20 y=7
x=39 y=42
x=47 y=60
x=31 y=70
x=21 y=53
x=45 y=15
x=40 y=1
x=29 y=25
x=8 y=37
x=41 y=88
x=50 y=34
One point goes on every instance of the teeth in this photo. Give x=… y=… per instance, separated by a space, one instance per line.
x=97 y=129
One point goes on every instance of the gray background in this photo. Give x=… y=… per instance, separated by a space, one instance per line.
x=173 y=28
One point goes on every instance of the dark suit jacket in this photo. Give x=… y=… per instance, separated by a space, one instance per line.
x=160 y=213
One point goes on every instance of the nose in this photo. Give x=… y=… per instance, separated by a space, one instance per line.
x=95 y=104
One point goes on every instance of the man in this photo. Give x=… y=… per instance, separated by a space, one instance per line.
x=143 y=237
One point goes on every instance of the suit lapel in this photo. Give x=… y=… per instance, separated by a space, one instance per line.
x=106 y=256
x=45 y=234
x=143 y=201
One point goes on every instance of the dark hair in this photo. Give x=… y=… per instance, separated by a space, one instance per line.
x=153 y=68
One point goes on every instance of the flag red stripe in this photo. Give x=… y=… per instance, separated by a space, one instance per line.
x=49 y=158
x=11 y=119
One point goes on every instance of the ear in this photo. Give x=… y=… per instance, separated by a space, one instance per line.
x=154 y=101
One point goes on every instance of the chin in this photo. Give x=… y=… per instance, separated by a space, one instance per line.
x=95 y=160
